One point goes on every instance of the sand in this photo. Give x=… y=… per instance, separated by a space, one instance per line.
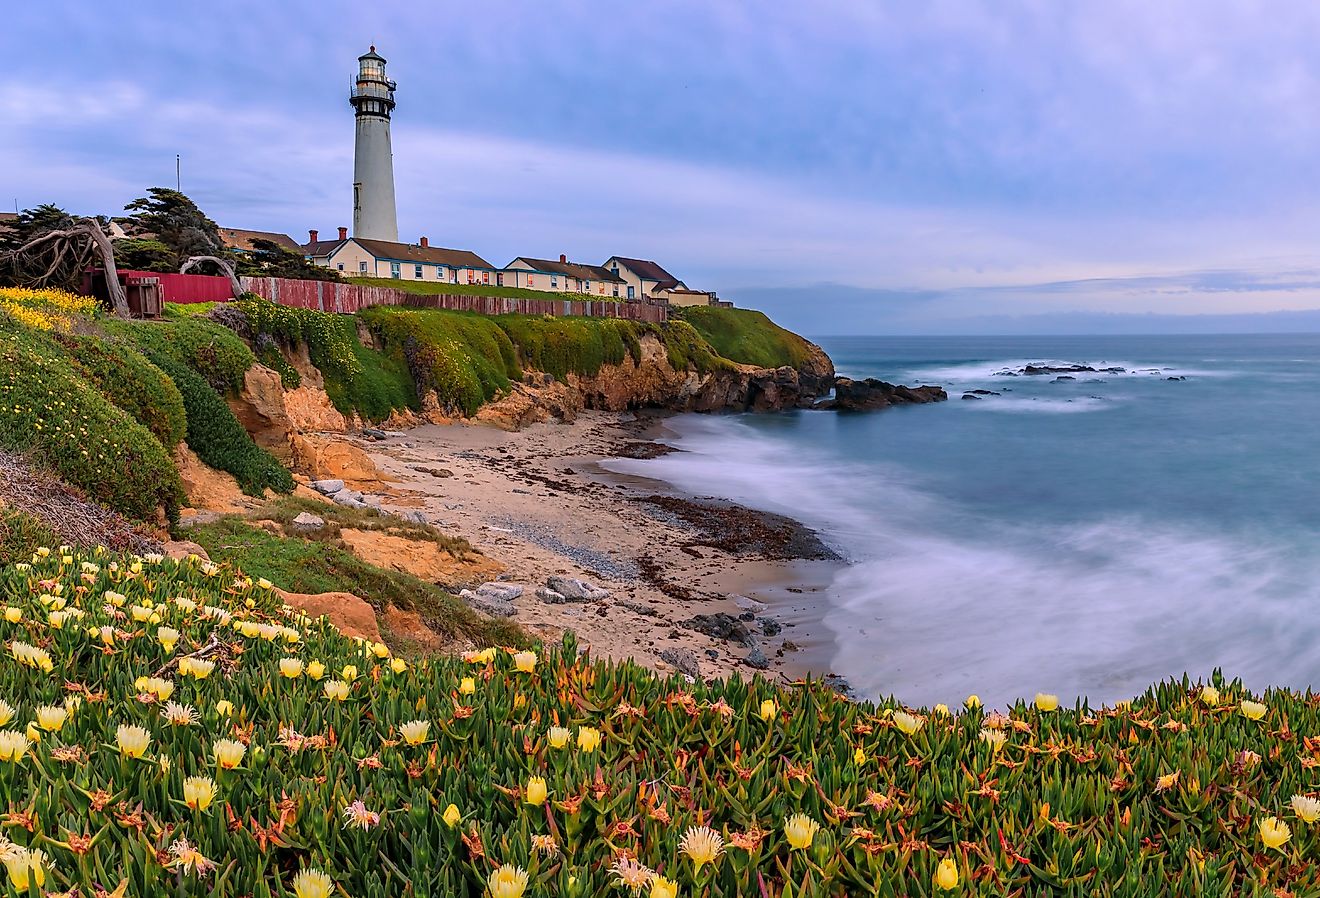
x=537 y=502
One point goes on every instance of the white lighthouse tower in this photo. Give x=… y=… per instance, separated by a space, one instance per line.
x=372 y=98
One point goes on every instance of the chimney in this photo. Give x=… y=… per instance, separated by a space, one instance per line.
x=343 y=233
x=425 y=242
x=313 y=235
x=563 y=258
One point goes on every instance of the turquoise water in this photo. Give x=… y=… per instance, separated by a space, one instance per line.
x=1083 y=537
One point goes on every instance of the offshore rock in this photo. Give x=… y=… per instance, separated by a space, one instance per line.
x=871 y=394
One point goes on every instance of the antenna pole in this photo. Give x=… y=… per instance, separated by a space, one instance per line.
x=178 y=173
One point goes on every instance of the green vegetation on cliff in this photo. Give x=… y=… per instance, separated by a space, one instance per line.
x=432 y=288
x=746 y=336
x=53 y=411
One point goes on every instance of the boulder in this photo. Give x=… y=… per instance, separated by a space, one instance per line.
x=575 y=590
x=970 y=396
x=720 y=626
x=549 y=596
x=349 y=498
x=327 y=487
x=488 y=604
x=350 y=614
x=182 y=548
x=682 y=660
x=505 y=592
x=306 y=522
x=770 y=627
x=757 y=659
x=871 y=394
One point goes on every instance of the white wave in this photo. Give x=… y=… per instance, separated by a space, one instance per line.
x=1026 y=405
x=999 y=371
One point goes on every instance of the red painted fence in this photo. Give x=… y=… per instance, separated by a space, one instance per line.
x=184 y=287
x=328 y=296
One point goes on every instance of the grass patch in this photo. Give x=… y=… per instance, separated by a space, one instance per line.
x=745 y=336
x=562 y=346
x=210 y=349
x=49 y=410
x=339 y=517
x=431 y=288
x=313 y=566
x=20 y=536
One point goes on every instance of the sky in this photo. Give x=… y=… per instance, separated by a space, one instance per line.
x=850 y=167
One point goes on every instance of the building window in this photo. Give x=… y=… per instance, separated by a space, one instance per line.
x=341 y=266
x=485 y=277
x=394 y=270
x=531 y=280
x=630 y=292
x=440 y=272
x=586 y=286
x=554 y=282
x=362 y=267
x=616 y=290
x=417 y=271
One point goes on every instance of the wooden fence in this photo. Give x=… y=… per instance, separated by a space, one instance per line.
x=328 y=296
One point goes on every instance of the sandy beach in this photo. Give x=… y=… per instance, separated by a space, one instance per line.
x=537 y=502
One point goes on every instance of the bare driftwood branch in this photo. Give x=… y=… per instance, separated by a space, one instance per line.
x=74 y=245
x=224 y=267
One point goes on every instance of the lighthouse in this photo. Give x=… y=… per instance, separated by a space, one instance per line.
x=372 y=98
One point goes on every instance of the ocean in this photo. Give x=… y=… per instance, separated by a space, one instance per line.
x=1084 y=537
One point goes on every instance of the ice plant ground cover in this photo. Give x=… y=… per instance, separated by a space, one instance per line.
x=169 y=728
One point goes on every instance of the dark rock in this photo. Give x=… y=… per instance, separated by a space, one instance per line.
x=983 y=392
x=720 y=626
x=642 y=450
x=757 y=659
x=683 y=661
x=638 y=608
x=374 y=434
x=971 y=397
x=747 y=616
x=1064 y=377
x=1175 y=378
x=790 y=646
x=1034 y=370
x=770 y=627
x=713 y=654
x=871 y=394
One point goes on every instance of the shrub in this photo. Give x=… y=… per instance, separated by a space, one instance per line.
x=218 y=438
x=46 y=308
x=211 y=350
x=130 y=381
x=48 y=409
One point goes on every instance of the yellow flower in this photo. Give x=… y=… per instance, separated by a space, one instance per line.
x=13 y=615
x=51 y=717
x=380 y=650
x=264 y=583
x=312 y=883
x=349 y=673
x=525 y=661
x=398 y=665
x=315 y=670
x=24 y=866
x=132 y=740
x=972 y=702
x=1046 y=702
x=859 y=756
x=485 y=656
x=768 y=710
x=703 y=845
x=558 y=736
x=946 y=875
x=335 y=690
x=414 y=732
x=908 y=723
x=1167 y=781
x=536 y=791
x=663 y=888
x=167 y=636
x=224 y=707
x=7 y=713
x=1210 y=695
x=506 y=882
x=800 y=830
x=1274 y=832
x=1253 y=710
x=941 y=709
x=1307 y=809
x=452 y=816
x=200 y=669
x=198 y=792
x=588 y=739
x=291 y=668
x=13 y=746
x=467 y=685
x=229 y=753
x=156 y=686
x=994 y=738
